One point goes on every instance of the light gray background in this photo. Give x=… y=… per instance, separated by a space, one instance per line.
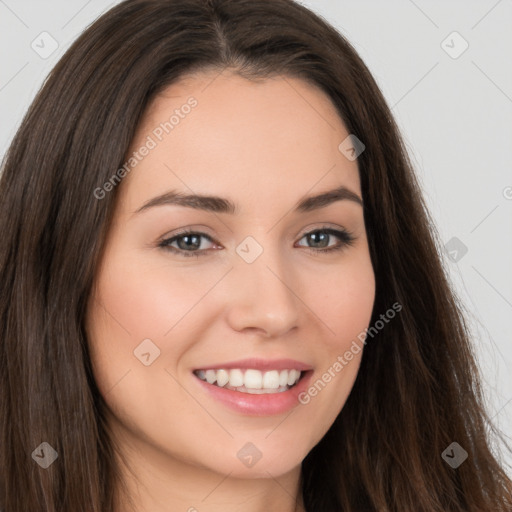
x=455 y=115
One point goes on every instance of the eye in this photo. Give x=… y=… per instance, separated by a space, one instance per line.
x=320 y=238
x=189 y=243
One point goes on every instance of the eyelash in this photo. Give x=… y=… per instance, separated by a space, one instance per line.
x=347 y=239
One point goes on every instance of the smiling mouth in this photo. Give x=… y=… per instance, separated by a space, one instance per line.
x=252 y=381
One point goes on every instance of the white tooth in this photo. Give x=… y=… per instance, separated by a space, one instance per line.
x=222 y=378
x=292 y=377
x=236 y=378
x=271 y=379
x=253 y=379
x=211 y=376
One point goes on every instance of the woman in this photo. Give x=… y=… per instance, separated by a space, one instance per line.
x=266 y=371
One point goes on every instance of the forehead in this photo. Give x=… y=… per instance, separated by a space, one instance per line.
x=212 y=133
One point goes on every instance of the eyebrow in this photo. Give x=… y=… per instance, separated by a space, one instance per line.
x=222 y=205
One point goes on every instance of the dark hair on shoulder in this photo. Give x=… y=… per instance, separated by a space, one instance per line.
x=418 y=386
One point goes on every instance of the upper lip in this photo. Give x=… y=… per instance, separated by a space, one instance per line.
x=260 y=364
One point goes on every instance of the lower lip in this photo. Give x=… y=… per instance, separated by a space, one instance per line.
x=258 y=405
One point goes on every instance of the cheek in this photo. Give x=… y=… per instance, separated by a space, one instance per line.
x=139 y=299
x=136 y=302
x=343 y=299
x=147 y=299
x=344 y=303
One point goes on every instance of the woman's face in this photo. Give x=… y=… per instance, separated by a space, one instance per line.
x=254 y=283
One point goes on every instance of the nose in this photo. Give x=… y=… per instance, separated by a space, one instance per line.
x=263 y=297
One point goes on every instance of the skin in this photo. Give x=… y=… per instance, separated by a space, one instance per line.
x=264 y=145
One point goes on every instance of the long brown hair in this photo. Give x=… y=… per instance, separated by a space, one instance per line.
x=418 y=387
